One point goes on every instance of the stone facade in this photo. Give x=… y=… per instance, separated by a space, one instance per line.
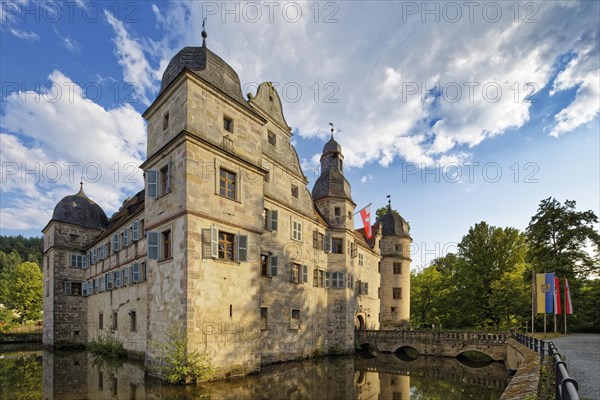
x=226 y=241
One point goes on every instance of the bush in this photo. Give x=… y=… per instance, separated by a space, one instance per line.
x=107 y=345
x=179 y=366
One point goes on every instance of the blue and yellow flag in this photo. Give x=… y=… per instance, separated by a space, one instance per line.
x=544 y=293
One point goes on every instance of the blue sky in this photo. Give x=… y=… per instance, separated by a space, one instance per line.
x=462 y=112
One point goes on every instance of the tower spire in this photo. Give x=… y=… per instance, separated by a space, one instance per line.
x=204 y=34
x=389 y=203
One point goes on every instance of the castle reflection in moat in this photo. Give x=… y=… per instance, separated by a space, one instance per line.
x=81 y=375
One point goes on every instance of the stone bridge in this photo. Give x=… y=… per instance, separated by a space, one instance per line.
x=433 y=343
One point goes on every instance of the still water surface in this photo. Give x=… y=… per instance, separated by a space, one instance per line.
x=28 y=372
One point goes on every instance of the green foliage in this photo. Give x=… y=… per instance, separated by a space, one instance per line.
x=382 y=211
x=480 y=287
x=21 y=378
x=558 y=236
x=7 y=320
x=546 y=388
x=28 y=249
x=107 y=345
x=21 y=290
x=179 y=365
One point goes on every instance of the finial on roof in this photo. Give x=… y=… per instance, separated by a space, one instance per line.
x=204 y=34
x=389 y=202
x=331 y=124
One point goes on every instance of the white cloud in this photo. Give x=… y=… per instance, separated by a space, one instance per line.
x=136 y=68
x=25 y=35
x=583 y=72
x=49 y=145
x=366 y=178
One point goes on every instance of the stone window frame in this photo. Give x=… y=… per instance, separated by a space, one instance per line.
x=296 y=229
x=228 y=124
x=397 y=293
x=158 y=181
x=337 y=245
x=78 y=261
x=295 y=318
x=264 y=318
x=397 y=268
x=271 y=138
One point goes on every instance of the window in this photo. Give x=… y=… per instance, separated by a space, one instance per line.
x=226 y=246
x=102 y=252
x=361 y=259
x=115 y=242
x=353 y=250
x=227 y=184
x=295 y=191
x=73 y=288
x=295 y=318
x=337 y=280
x=350 y=281
x=397 y=268
x=270 y=219
x=153 y=189
x=126 y=238
x=165 y=180
x=115 y=323
x=126 y=276
x=114 y=383
x=264 y=265
x=135 y=272
x=132 y=321
x=326 y=279
x=100 y=321
x=397 y=293
x=271 y=138
x=118 y=279
x=317 y=240
x=166 y=244
x=337 y=246
x=94 y=256
x=296 y=230
x=228 y=124
x=392 y=310
x=337 y=211
x=298 y=273
x=364 y=288
x=109 y=280
x=165 y=121
x=135 y=230
x=264 y=318
x=96 y=285
x=318 y=278
x=78 y=261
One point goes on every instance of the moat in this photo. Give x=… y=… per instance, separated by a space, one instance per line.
x=30 y=372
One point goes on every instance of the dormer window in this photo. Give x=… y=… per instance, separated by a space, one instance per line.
x=228 y=124
x=295 y=191
x=272 y=138
x=165 y=121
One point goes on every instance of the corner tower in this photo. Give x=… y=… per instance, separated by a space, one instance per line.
x=395 y=270
x=76 y=222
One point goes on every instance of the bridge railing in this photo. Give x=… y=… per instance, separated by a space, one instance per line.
x=487 y=337
x=566 y=387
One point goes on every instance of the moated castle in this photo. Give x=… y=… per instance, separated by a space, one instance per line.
x=225 y=240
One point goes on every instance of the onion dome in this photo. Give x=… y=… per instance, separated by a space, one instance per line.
x=393 y=224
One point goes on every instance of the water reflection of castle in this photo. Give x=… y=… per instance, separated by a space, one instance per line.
x=80 y=375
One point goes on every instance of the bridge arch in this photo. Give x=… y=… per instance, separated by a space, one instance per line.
x=407 y=353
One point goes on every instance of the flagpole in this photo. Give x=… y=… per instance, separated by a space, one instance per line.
x=565 y=308
x=533 y=301
x=362 y=208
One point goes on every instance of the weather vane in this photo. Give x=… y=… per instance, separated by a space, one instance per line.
x=389 y=201
x=331 y=124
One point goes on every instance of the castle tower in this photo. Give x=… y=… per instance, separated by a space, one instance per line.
x=395 y=270
x=332 y=197
x=76 y=222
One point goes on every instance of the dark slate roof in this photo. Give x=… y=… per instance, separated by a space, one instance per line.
x=393 y=225
x=208 y=66
x=332 y=147
x=130 y=207
x=361 y=235
x=78 y=209
x=331 y=183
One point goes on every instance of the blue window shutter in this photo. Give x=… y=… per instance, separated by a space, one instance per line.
x=327 y=243
x=304 y=273
x=274 y=265
x=242 y=248
x=274 y=217
x=214 y=242
x=136 y=230
x=153 y=245
x=152 y=183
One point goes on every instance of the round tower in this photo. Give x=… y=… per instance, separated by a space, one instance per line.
x=76 y=222
x=395 y=270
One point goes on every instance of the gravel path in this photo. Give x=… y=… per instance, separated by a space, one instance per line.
x=582 y=352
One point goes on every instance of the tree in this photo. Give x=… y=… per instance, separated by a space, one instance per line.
x=558 y=236
x=429 y=293
x=492 y=258
x=29 y=249
x=21 y=290
x=9 y=261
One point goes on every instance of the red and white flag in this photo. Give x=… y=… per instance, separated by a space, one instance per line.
x=557 y=308
x=365 y=214
x=568 y=303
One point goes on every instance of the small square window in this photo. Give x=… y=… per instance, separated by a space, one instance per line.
x=133 y=321
x=337 y=246
x=295 y=191
x=228 y=124
x=397 y=268
x=272 y=138
x=166 y=244
x=295 y=319
x=165 y=121
x=397 y=293
x=393 y=309
x=338 y=211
